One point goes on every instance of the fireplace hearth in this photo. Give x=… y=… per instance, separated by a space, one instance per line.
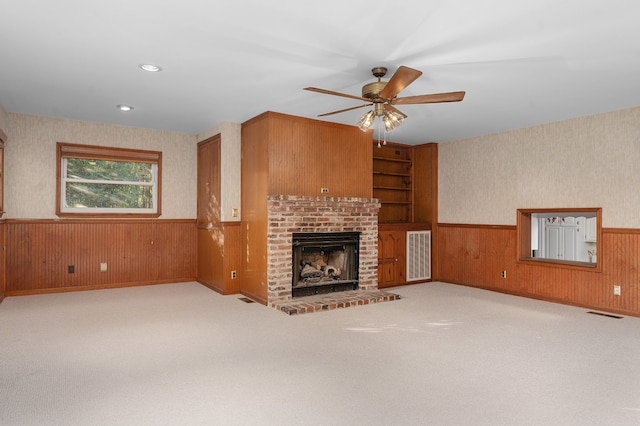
x=324 y=262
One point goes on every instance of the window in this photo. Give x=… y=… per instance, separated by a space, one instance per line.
x=102 y=181
x=560 y=237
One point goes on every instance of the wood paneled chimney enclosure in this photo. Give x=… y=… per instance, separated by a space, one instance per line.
x=284 y=155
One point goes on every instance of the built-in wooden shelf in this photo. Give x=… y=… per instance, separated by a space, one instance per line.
x=392 y=175
x=397 y=160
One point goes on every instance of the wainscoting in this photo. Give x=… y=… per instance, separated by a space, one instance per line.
x=475 y=255
x=136 y=252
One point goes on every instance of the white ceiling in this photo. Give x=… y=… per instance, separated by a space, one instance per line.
x=521 y=63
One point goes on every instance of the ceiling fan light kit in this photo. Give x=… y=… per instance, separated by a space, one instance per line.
x=391 y=120
x=382 y=95
x=366 y=121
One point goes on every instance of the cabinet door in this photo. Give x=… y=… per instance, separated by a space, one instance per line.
x=553 y=242
x=401 y=258
x=590 y=231
x=569 y=240
x=391 y=258
x=561 y=242
x=387 y=246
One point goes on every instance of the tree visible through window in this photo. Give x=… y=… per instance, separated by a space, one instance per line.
x=107 y=181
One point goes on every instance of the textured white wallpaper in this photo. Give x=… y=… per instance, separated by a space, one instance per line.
x=591 y=161
x=30 y=162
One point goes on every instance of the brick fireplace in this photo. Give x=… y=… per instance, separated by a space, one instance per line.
x=288 y=214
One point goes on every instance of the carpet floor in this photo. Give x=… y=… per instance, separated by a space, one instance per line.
x=441 y=355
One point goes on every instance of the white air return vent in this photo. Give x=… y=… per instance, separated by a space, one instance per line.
x=418 y=255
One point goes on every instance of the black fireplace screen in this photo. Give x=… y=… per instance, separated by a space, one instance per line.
x=324 y=262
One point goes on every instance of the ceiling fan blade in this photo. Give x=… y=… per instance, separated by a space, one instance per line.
x=343 y=110
x=329 y=92
x=430 y=99
x=403 y=77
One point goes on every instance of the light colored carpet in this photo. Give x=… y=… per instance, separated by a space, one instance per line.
x=442 y=355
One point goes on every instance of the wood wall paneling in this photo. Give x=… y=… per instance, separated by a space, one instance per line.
x=219 y=253
x=255 y=188
x=425 y=193
x=136 y=252
x=232 y=257
x=425 y=183
x=208 y=259
x=306 y=155
x=475 y=255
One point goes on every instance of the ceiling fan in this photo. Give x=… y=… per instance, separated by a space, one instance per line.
x=383 y=95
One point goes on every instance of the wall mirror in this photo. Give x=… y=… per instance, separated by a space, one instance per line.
x=561 y=237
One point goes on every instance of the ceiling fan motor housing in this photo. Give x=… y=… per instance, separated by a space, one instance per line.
x=372 y=90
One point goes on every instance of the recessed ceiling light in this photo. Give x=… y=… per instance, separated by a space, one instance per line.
x=124 y=108
x=150 y=67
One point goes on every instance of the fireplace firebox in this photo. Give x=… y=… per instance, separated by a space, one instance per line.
x=324 y=262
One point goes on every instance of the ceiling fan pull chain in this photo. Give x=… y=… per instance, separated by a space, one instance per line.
x=384 y=132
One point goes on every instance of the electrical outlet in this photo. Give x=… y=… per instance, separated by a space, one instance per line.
x=71 y=269
x=504 y=274
x=234 y=275
x=324 y=190
x=616 y=290
x=103 y=267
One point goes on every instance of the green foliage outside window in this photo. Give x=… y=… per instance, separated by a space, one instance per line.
x=78 y=168
x=109 y=184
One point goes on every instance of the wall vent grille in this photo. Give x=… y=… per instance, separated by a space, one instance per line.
x=418 y=255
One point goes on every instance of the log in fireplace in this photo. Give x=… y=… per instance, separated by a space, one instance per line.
x=324 y=262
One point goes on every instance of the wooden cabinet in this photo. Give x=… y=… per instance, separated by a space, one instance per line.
x=405 y=180
x=391 y=243
x=392 y=182
x=425 y=183
x=393 y=254
x=590 y=234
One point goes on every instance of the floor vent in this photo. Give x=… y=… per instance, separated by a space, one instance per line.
x=246 y=300
x=418 y=255
x=605 y=315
